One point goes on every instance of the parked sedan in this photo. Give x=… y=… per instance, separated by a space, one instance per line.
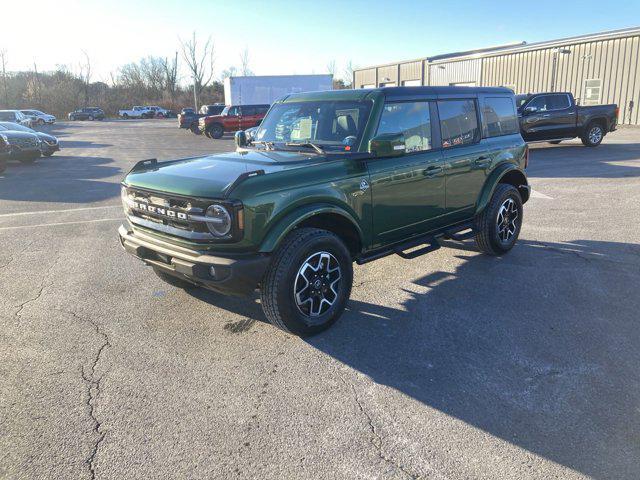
x=38 y=117
x=48 y=143
x=87 y=113
x=23 y=146
x=15 y=116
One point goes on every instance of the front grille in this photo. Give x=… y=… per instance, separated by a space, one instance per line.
x=169 y=214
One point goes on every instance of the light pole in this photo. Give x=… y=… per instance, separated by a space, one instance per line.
x=554 y=65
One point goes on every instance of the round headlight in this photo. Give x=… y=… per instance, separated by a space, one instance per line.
x=218 y=220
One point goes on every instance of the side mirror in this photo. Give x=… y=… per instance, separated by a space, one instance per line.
x=241 y=139
x=529 y=110
x=387 y=145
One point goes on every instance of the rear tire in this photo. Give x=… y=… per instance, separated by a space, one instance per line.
x=3 y=164
x=90 y=118
x=216 y=131
x=593 y=135
x=48 y=154
x=173 y=281
x=498 y=226
x=308 y=282
x=125 y=116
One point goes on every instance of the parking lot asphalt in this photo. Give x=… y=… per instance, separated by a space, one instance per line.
x=450 y=366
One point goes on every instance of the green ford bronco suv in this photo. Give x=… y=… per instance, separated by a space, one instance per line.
x=327 y=179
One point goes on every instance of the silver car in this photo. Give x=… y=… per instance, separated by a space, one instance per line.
x=15 y=116
x=38 y=117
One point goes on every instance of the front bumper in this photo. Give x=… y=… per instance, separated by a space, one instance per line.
x=49 y=149
x=232 y=274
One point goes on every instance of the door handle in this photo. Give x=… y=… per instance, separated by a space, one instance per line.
x=483 y=161
x=546 y=116
x=432 y=170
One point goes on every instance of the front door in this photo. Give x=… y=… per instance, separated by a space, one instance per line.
x=465 y=158
x=547 y=117
x=408 y=191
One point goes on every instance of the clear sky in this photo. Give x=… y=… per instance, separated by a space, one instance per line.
x=285 y=37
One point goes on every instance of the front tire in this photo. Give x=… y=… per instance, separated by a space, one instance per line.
x=47 y=154
x=216 y=131
x=40 y=122
x=3 y=164
x=593 y=135
x=194 y=129
x=29 y=160
x=498 y=226
x=308 y=282
x=90 y=118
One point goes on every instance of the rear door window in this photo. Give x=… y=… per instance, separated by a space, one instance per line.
x=458 y=122
x=413 y=119
x=247 y=111
x=558 y=102
x=499 y=117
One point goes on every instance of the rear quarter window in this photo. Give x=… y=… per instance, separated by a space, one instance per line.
x=499 y=117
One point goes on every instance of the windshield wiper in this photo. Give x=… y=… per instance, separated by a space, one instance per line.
x=267 y=145
x=317 y=148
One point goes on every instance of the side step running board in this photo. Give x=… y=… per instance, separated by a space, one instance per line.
x=430 y=245
x=454 y=233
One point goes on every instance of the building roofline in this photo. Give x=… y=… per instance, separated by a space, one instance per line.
x=514 y=48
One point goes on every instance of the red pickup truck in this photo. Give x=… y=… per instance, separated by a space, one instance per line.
x=232 y=119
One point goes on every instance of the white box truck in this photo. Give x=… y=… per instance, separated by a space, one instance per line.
x=267 y=89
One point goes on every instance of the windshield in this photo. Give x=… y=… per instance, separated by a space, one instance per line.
x=331 y=124
x=521 y=100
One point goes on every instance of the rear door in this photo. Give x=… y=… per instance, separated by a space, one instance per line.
x=408 y=192
x=465 y=158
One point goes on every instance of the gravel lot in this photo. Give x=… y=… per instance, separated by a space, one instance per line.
x=453 y=365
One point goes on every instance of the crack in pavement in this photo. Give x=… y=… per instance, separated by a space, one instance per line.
x=94 y=388
x=22 y=305
x=376 y=438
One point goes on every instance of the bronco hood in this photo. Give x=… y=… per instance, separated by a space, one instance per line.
x=213 y=176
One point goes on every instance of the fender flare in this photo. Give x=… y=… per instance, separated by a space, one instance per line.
x=289 y=221
x=494 y=179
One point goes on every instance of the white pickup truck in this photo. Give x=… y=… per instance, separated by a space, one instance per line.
x=136 y=112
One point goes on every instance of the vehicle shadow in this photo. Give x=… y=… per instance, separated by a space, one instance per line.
x=577 y=161
x=65 y=179
x=538 y=348
x=83 y=144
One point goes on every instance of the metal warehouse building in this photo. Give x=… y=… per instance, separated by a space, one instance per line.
x=598 y=68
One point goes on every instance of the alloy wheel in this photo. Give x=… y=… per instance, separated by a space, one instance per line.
x=595 y=134
x=508 y=220
x=317 y=284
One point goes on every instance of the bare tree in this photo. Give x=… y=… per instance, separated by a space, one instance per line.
x=229 y=72
x=200 y=63
x=331 y=68
x=171 y=75
x=348 y=74
x=244 y=63
x=85 y=75
x=3 y=59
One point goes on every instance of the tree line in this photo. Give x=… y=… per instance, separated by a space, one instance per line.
x=150 y=81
